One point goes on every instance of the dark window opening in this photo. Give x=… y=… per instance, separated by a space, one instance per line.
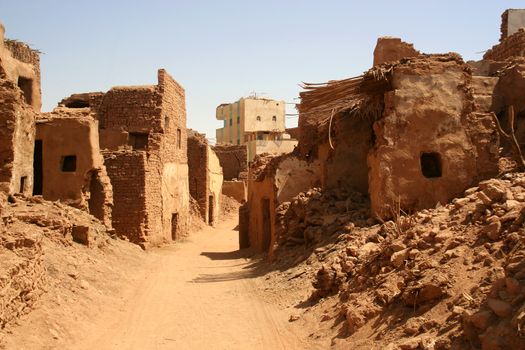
x=138 y=140
x=174 y=223
x=26 y=85
x=230 y=122
x=23 y=181
x=69 y=163
x=77 y=104
x=38 y=170
x=259 y=136
x=179 y=139
x=258 y=118
x=238 y=120
x=431 y=165
x=274 y=119
x=166 y=122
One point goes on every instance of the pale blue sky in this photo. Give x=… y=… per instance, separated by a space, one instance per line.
x=222 y=50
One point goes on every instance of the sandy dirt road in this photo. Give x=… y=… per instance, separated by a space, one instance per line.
x=198 y=294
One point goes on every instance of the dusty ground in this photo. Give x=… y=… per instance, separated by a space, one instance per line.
x=199 y=293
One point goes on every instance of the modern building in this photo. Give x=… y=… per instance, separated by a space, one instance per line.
x=258 y=123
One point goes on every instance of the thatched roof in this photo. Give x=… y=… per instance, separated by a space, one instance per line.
x=323 y=100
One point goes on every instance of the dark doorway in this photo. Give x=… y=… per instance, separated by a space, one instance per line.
x=431 y=165
x=96 y=197
x=23 y=181
x=26 y=85
x=174 y=225
x=267 y=233
x=38 y=169
x=210 y=210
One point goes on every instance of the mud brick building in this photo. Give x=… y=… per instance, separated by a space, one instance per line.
x=234 y=163
x=408 y=134
x=68 y=164
x=20 y=103
x=205 y=177
x=144 y=141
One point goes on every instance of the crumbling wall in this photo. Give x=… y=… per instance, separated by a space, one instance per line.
x=272 y=181
x=174 y=157
x=233 y=159
x=198 y=172
x=235 y=189
x=389 y=49
x=21 y=65
x=423 y=152
x=215 y=176
x=345 y=166
x=150 y=121
x=205 y=176
x=513 y=45
x=17 y=135
x=72 y=166
x=127 y=171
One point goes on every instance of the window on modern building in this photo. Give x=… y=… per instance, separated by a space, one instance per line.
x=274 y=119
x=238 y=119
x=179 y=139
x=431 y=165
x=69 y=163
x=138 y=140
x=231 y=122
x=258 y=118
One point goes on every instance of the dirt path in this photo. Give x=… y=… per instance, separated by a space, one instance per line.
x=198 y=294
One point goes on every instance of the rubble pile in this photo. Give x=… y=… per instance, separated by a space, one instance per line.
x=449 y=277
x=28 y=225
x=441 y=278
x=316 y=214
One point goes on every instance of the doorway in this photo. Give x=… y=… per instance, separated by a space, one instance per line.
x=38 y=169
x=96 y=196
x=174 y=225
x=210 y=210
x=266 y=228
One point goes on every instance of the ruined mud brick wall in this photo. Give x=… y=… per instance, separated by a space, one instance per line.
x=235 y=190
x=23 y=282
x=198 y=172
x=389 y=49
x=511 y=46
x=159 y=114
x=92 y=100
x=174 y=158
x=272 y=181
x=17 y=135
x=433 y=157
x=126 y=170
x=233 y=159
x=21 y=64
x=73 y=133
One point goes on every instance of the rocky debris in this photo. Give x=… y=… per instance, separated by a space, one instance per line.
x=26 y=225
x=229 y=207
x=314 y=215
x=449 y=277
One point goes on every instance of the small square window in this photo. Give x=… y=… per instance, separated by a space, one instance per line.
x=274 y=119
x=69 y=163
x=258 y=118
x=138 y=140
